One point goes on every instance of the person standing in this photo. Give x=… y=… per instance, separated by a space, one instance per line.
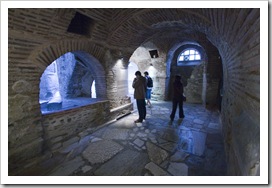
x=139 y=85
x=177 y=99
x=148 y=89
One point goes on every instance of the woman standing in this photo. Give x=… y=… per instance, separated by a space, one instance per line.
x=177 y=99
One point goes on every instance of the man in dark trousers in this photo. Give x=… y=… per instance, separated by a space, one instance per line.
x=177 y=99
x=139 y=85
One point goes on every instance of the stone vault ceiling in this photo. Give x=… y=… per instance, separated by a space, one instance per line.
x=125 y=29
x=131 y=27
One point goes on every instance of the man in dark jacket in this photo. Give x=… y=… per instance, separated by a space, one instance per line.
x=139 y=85
x=177 y=99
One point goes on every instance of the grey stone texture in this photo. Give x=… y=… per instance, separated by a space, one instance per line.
x=178 y=169
x=229 y=42
x=151 y=148
x=156 y=154
x=101 y=151
x=67 y=168
x=127 y=163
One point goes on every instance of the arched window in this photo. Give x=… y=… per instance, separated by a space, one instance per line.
x=66 y=83
x=189 y=56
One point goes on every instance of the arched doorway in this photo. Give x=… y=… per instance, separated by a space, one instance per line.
x=132 y=68
x=200 y=75
x=72 y=80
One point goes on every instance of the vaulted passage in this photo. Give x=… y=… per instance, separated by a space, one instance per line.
x=216 y=51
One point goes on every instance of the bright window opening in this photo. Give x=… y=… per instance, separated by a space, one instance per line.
x=66 y=84
x=189 y=57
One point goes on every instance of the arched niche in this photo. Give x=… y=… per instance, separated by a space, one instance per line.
x=71 y=81
x=202 y=79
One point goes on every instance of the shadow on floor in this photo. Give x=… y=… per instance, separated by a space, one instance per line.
x=192 y=146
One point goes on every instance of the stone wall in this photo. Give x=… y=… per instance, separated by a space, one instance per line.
x=37 y=37
x=66 y=64
x=49 y=84
x=240 y=55
x=193 y=90
x=117 y=79
x=31 y=50
x=154 y=66
x=61 y=126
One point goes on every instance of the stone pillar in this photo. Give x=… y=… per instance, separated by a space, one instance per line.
x=49 y=88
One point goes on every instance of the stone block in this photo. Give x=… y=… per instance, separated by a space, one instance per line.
x=156 y=170
x=155 y=153
x=178 y=169
x=101 y=151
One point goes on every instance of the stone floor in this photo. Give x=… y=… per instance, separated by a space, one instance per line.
x=191 y=147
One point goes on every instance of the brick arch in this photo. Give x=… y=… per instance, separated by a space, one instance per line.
x=46 y=54
x=198 y=72
x=97 y=71
x=171 y=59
x=154 y=18
x=211 y=69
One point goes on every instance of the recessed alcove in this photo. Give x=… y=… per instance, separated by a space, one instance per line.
x=154 y=53
x=65 y=84
x=80 y=24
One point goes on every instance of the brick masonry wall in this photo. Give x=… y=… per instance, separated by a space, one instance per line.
x=239 y=46
x=154 y=66
x=31 y=50
x=61 y=126
x=39 y=36
x=116 y=77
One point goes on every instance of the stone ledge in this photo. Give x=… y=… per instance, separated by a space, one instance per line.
x=119 y=112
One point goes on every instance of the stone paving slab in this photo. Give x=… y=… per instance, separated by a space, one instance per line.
x=123 y=148
x=68 y=168
x=179 y=156
x=178 y=169
x=156 y=170
x=101 y=151
x=155 y=153
x=139 y=142
x=127 y=163
x=169 y=146
x=199 y=142
x=114 y=133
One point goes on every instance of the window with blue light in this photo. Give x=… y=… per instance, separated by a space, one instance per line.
x=189 y=57
x=66 y=84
